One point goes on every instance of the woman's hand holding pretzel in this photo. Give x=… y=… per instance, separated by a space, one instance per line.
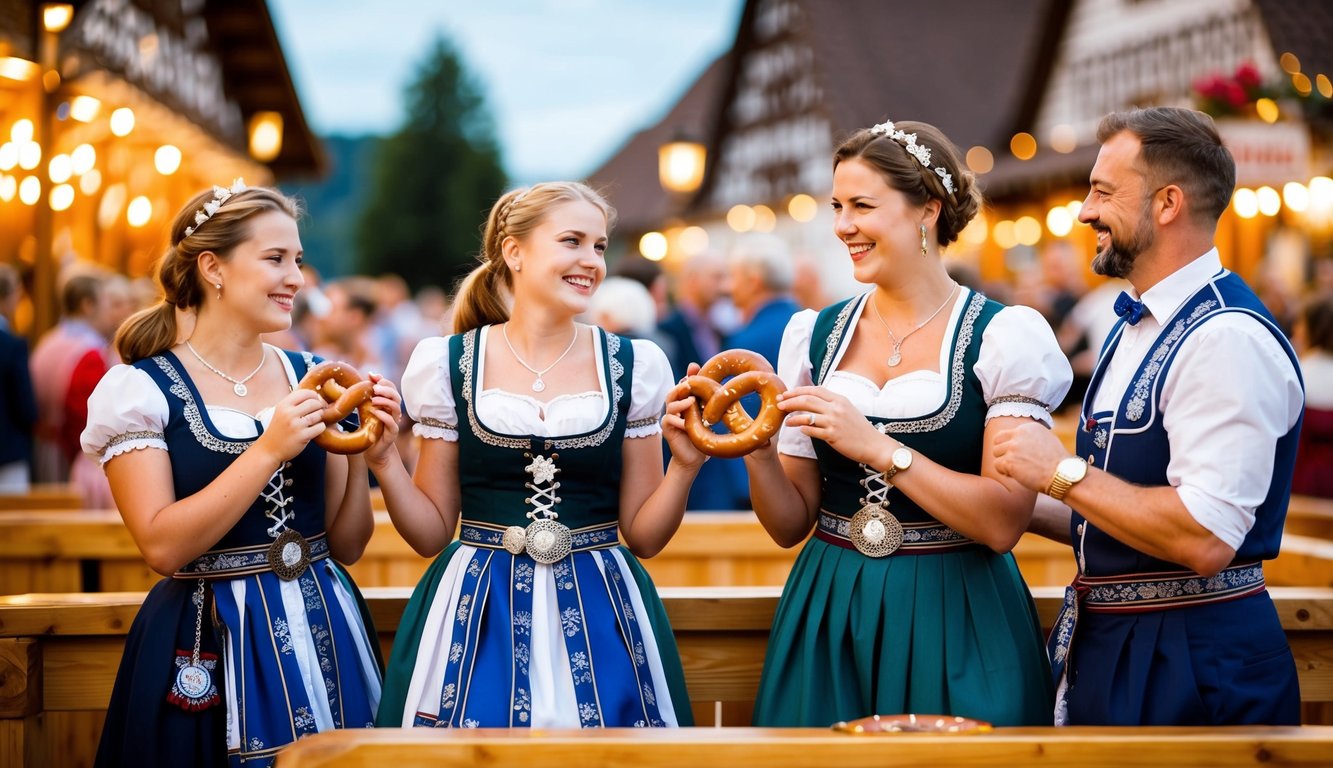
x=295 y=422
x=833 y=419
x=683 y=450
x=388 y=408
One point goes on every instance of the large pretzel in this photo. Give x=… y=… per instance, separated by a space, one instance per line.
x=343 y=391
x=715 y=401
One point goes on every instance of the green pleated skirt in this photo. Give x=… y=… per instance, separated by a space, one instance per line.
x=952 y=634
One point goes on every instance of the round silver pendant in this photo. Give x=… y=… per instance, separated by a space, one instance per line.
x=894 y=359
x=192 y=681
x=538 y=385
x=289 y=554
x=515 y=539
x=240 y=390
x=874 y=532
x=547 y=541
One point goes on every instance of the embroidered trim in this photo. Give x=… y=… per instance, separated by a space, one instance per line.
x=932 y=423
x=465 y=363
x=243 y=560
x=600 y=436
x=1142 y=385
x=1024 y=399
x=436 y=423
x=835 y=336
x=127 y=437
x=1165 y=590
x=192 y=415
x=641 y=423
x=1100 y=437
x=491 y=536
x=915 y=535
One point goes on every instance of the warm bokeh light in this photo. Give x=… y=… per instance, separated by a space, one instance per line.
x=803 y=208
x=693 y=240
x=1004 y=234
x=56 y=16
x=1289 y=63
x=60 y=169
x=90 y=182
x=113 y=200
x=1059 y=222
x=1295 y=196
x=1075 y=207
x=653 y=246
x=140 y=211
x=167 y=159
x=1301 y=83
x=84 y=108
x=30 y=155
x=976 y=231
x=1321 y=194
x=21 y=132
x=84 y=157
x=1023 y=145
x=1270 y=202
x=122 y=121
x=30 y=190
x=741 y=218
x=1325 y=87
x=9 y=186
x=62 y=197
x=1063 y=139
x=1027 y=230
x=266 y=136
x=1267 y=110
x=14 y=68
x=764 y=219
x=1246 y=203
x=980 y=160
x=680 y=165
x=9 y=156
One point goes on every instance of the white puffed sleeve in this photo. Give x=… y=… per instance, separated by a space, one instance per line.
x=651 y=383
x=428 y=396
x=1021 y=368
x=794 y=370
x=126 y=412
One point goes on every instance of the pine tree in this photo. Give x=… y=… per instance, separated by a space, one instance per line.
x=434 y=180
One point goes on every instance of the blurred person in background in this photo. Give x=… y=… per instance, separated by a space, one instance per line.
x=759 y=280
x=649 y=274
x=1313 y=339
x=623 y=306
x=18 y=405
x=346 y=333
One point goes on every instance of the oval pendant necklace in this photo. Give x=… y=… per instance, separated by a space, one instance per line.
x=238 y=384
x=896 y=356
x=537 y=385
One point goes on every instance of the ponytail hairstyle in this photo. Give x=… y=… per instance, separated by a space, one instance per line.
x=194 y=231
x=481 y=298
x=919 y=180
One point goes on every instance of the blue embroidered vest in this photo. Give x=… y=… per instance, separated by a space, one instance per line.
x=1132 y=443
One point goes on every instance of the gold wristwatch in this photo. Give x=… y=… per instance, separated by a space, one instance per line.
x=1067 y=473
x=900 y=459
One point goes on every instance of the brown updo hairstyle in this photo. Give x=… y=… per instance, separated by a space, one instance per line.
x=918 y=183
x=480 y=299
x=150 y=331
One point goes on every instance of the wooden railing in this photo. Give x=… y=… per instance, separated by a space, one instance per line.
x=59 y=655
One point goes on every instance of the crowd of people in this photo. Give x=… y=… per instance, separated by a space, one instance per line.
x=534 y=445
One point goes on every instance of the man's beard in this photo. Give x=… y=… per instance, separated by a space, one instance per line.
x=1117 y=259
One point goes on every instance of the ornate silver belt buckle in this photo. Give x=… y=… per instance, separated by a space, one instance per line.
x=547 y=541
x=515 y=539
x=874 y=532
x=289 y=554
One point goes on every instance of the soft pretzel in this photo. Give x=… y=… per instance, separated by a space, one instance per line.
x=343 y=391
x=716 y=401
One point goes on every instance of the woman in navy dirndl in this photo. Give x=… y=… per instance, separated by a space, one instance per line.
x=257 y=637
x=541 y=448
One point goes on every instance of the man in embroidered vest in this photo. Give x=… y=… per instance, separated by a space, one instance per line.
x=1186 y=446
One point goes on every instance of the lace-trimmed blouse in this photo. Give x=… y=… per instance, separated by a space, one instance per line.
x=128 y=411
x=1020 y=366
x=429 y=400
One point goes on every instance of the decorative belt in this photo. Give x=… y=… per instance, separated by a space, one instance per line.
x=512 y=538
x=926 y=538
x=287 y=556
x=1140 y=593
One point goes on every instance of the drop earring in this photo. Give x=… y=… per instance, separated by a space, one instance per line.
x=923 y=239
x=219 y=287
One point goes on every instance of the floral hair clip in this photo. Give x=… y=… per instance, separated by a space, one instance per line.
x=920 y=151
x=220 y=196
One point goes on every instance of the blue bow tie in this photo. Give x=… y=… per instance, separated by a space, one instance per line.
x=1129 y=309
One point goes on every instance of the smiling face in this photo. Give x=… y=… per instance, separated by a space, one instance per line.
x=260 y=280
x=1119 y=207
x=562 y=260
x=879 y=225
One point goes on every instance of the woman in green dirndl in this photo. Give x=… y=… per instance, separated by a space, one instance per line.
x=905 y=600
x=542 y=448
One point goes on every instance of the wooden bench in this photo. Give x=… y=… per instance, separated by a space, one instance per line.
x=59 y=654
x=1311 y=516
x=791 y=747
x=44 y=496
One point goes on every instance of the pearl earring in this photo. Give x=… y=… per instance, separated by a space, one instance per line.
x=219 y=287
x=923 y=239
x=518 y=266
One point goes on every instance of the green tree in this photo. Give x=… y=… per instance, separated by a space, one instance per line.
x=434 y=180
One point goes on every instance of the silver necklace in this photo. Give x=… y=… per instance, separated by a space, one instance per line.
x=897 y=357
x=239 y=384
x=538 y=385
